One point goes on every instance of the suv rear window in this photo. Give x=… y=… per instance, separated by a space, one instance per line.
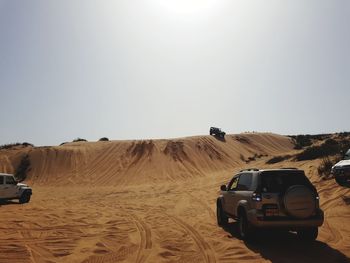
x=280 y=181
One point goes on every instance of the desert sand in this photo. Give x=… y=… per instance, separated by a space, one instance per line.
x=154 y=201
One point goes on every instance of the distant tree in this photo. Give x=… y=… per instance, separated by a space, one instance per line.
x=104 y=139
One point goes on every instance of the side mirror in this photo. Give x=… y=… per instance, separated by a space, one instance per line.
x=223 y=188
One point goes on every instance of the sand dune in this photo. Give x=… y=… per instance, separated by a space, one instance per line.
x=127 y=162
x=155 y=202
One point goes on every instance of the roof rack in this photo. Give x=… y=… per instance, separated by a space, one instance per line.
x=289 y=168
x=249 y=169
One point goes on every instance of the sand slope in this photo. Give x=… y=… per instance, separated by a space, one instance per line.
x=155 y=202
x=127 y=162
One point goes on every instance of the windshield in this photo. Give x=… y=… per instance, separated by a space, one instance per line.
x=347 y=155
x=10 y=180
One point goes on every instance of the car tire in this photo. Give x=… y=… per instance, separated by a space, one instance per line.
x=308 y=234
x=25 y=198
x=339 y=181
x=245 y=229
x=221 y=217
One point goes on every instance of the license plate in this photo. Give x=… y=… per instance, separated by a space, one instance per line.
x=271 y=212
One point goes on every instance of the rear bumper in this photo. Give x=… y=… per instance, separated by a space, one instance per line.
x=258 y=221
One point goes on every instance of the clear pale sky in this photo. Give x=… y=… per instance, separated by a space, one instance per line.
x=172 y=68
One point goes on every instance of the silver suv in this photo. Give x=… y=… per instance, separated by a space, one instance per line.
x=11 y=189
x=341 y=171
x=275 y=198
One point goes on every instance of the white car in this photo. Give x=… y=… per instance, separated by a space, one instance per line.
x=341 y=171
x=11 y=189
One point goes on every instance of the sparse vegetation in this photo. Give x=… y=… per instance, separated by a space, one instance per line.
x=241 y=157
x=242 y=139
x=304 y=140
x=301 y=141
x=278 y=159
x=11 y=145
x=330 y=147
x=254 y=157
x=104 y=139
x=79 y=140
x=344 y=134
x=325 y=167
x=23 y=168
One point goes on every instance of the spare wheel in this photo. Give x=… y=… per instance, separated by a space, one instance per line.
x=299 y=201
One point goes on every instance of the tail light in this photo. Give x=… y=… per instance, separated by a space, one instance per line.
x=256 y=197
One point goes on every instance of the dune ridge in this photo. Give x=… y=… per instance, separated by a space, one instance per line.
x=124 y=162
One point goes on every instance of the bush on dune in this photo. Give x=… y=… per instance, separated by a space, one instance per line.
x=11 y=145
x=79 y=140
x=23 y=168
x=278 y=159
x=329 y=147
x=104 y=139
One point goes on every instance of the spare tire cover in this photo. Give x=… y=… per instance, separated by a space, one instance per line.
x=299 y=201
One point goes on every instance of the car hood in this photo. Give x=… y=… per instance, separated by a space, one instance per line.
x=342 y=163
x=22 y=185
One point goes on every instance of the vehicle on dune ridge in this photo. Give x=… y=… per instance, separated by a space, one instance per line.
x=217 y=132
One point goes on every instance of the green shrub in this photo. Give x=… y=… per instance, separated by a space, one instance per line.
x=11 y=145
x=104 y=139
x=325 y=167
x=301 y=141
x=329 y=147
x=278 y=159
x=79 y=140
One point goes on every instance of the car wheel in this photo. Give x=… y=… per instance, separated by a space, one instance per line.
x=308 y=234
x=339 y=181
x=25 y=198
x=245 y=229
x=221 y=217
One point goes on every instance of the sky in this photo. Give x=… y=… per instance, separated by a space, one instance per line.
x=171 y=68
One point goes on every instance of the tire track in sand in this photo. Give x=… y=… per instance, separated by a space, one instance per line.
x=204 y=205
x=145 y=236
x=204 y=247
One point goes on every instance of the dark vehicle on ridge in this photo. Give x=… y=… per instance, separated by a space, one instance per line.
x=217 y=132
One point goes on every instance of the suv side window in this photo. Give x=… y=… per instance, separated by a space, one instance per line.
x=1 y=179
x=233 y=184
x=245 y=182
x=10 y=180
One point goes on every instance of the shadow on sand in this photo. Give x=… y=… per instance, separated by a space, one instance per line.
x=282 y=246
x=8 y=202
x=346 y=200
x=219 y=138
